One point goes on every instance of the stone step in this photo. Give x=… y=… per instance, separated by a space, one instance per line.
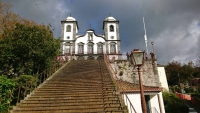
x=94 y=91
x=73 y=111
x=86 y=107
x=97 y=104
x=100 y=100
x=71 y=96
x=110 y=98
x=79 y=87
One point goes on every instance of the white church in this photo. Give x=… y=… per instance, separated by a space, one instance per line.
x=90 y=46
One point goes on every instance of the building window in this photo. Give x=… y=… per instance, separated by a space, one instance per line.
x=112 y=37
x=111 y=28
x=80 y=49
x=100 y=48
x=68 y=28
x=67 y=49
x=90 y=48
x=68 y=37
x=112 y=48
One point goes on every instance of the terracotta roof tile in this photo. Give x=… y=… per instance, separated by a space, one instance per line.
x=131 y=87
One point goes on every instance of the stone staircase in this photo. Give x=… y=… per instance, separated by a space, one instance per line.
x=80 y=86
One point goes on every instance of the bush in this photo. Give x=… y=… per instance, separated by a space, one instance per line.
x=6 y=88
x=173 y=104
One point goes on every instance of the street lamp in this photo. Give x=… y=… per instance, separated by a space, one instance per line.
x=137 y=58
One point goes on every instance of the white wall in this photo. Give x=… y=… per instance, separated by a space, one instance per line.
x=163 y=78
x=135 y=100
x=112 y=33
x=161 y=102
x=84 y=40
x=70 y=34
x=154 y=102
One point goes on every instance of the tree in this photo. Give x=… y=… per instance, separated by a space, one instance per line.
x=7 y=18
x=27 y=49
x=173 y=72
x=198 y=62
x=187 y=72
x=177 y=73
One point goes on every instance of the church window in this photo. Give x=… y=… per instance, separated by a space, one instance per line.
x=90 y=48
x=80 y=49
x=111 y=28
x=67 y=49
x=100 y=48
x=68 y=28
x=112 y=48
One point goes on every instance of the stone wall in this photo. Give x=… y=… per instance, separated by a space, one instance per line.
x=125 y=71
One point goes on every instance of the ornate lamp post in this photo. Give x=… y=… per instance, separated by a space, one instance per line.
x=137 y=58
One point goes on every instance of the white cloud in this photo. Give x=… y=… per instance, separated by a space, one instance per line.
x=179 y=44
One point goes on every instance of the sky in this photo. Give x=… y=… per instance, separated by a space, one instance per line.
x=173 y=25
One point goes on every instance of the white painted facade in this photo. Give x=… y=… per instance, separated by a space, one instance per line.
x=156 y=104
x=163 y=78
x=90 y=44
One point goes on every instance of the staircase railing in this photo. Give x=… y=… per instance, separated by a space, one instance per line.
x=153 y=110
x=20 y=92
x=128 y=103
x=115 y=82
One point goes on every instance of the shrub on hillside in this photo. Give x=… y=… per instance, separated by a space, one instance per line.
x=173 y=104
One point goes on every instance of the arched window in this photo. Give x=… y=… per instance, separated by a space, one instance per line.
x=100 y=48
x=67 y=48
x=111 y=28
x=90 y=48
x=80 y=48
x=112 y=48
x=68 y=28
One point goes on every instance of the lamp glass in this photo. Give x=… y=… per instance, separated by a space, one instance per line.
x=138 y=57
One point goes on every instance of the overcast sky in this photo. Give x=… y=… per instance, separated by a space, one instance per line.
x=173 y=25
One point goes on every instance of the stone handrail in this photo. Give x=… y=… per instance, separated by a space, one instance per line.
x=113 y=76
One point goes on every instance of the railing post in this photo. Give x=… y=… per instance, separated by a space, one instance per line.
x=18 y=94
x=9 y=101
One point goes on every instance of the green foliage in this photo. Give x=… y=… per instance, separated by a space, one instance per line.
x=172 y=72
x=177 y=73
x=173 y=104
x=22 y=79
x=6 y=87
x=28 y=49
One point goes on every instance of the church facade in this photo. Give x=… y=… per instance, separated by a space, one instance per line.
x=90 y=45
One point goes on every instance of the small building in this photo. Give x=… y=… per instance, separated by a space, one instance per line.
x=162 y=77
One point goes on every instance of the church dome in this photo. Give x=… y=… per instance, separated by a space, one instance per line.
x=69 y=18
x=110 y=18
